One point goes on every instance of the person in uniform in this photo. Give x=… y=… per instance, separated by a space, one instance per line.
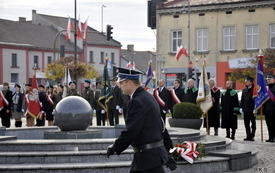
x=29 y=118
x=229 y=103
x=161 y=95
x=214 y=111
x=58 y=96
x=113 y=105
x=269 y=108
x=72 y=89
x=100 y=113
x=175 y=96
x=247 y=108
x=40 y=121
x=6 y=110
x=49 y=105
x=17 y=105
x=88 y=94
x=190 y=93
x=125 y=102
x=144 y=128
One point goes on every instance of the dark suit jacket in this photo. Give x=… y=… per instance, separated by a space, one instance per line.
x=117 y=98
x=143 y=126
x=164 y=95
x=179 y=92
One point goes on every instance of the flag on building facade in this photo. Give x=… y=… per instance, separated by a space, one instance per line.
x=69 y=28
x=262 y=95
x=149 y=74
x=33 y=102
x=131 y=65
x=181 y=51
x=106 y=90
x=79 y=29
x=204 y=98
x=85 y=26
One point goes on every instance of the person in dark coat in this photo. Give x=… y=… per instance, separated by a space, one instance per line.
x=58 y=96
x=161 y=95
x=175 y=96
x=88 y=94
x=100 y=113
x=49 y=106
x=190 y=93
x=144 y=128
x=113 y=106
x=72 y=89
x=229 y=102
x=247 y=108
x=6 y=111
x=214 y=111
x=17 y=105
x=125 y=102
x=40 y=121
x=269 y=108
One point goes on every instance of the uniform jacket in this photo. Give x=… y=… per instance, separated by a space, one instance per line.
x=20 y=102
x=214 y=111
x=143 y=126
x=269 y=105
x=88 y=94
x=117 y=99
x=97 y=95
x=247 y=101
x=72 y=92
x=190 y=95
x=57 y=98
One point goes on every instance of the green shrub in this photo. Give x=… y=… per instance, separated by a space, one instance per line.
x=187 y=111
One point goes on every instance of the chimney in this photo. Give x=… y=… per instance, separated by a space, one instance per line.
x=33 y=11
x=130 y=47
x=22 y=19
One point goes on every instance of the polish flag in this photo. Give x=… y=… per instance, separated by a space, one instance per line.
x=69 y=27
x=84 y=27
x=181 y=51
x=79 y=30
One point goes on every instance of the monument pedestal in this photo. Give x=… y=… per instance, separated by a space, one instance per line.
x=78 y=134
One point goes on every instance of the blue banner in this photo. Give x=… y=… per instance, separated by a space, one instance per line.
x=262 y=95
x=149 y=74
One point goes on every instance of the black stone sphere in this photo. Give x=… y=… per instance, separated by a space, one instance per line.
x=73 y=113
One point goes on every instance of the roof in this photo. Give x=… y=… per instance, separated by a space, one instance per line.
x=141 y=59
x=27 y=34
x=94 y=37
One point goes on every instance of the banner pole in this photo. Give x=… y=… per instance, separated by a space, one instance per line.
x=262 y=136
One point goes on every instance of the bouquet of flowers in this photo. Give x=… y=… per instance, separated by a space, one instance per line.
x=188 y=151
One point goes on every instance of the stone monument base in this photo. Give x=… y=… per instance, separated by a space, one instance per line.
x=87 y=134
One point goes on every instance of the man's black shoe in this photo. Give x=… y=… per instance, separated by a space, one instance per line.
x=247 y=139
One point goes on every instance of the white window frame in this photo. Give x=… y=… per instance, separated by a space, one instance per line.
x=202 y=39
x=229 y=38
x=176 y=41
x=252 y=37
x=272 y=35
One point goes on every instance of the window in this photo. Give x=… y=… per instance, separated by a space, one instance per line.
x=176 y=39
x=229 y=36
x=202 y=40
x=252 y=37
x=102 y=57
x=35 y=61
x=272 y=36
x=14 y=78
x=113 y=58
x=49 y=59
x=91 y=57
x=14 y=60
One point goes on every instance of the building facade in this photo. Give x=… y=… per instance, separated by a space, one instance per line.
x=224 y=33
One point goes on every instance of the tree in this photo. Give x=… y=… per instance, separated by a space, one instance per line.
x=238 y=75
x=77 y=69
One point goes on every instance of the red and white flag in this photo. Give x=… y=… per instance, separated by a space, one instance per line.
x=79 y=29
x=181 y=51
x=69 y=28
x=85 y=26
x=3 y=101
x=131 y=65
x=33 y=102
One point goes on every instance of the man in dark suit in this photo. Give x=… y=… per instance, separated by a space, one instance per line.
x=161 y=95
x=114 y=103
x=40 y=121
x=5 y=113
x=176 y=95
x=190 y=93
x=100 y=113
x=144 y=128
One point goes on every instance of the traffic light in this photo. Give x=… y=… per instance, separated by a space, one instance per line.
x=109 y=32
x=191 y=73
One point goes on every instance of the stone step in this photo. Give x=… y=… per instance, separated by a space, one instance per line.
x=94 y=156
x=207 y=165
x=8 y=138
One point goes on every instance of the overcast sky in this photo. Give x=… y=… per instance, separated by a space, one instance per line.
x=128 y=17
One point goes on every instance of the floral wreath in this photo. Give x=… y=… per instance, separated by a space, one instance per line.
x=188 y=151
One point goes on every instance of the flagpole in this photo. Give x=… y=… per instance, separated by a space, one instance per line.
x=207 y=124
x=262 y=136
x=75 y=40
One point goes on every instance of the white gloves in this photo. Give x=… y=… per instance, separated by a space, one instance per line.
x=23 y=110
x=164 y=111
x=254 y=111
x=102 y=111
x=120 y=110
x=169 y=111
x=117 y=107
x=241 y=111
x=94 y=111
